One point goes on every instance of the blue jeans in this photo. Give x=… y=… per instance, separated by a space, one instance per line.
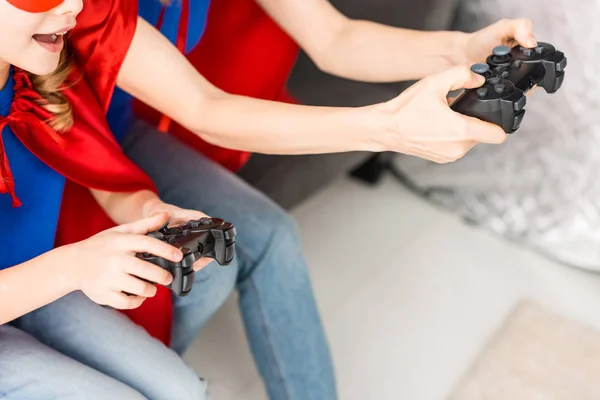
x=73 y=348
x=275 y=294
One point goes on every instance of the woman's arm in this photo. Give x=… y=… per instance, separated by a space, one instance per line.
x=368 y=51
x=158 y=74
x=155 y=72
x=33 y=284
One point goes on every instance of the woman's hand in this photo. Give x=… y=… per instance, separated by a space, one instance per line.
x=423 y=125
x=106 y=269
x=477 y=46
x=176 y=216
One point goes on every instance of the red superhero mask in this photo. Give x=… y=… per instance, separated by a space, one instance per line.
x=35 y=6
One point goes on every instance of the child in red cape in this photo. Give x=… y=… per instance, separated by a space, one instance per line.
x=56 y=341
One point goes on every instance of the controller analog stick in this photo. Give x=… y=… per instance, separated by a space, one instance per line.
x=501 y=51
x=480 y=68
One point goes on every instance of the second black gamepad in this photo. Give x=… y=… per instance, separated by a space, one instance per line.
x=206 y=237
x=510 y=74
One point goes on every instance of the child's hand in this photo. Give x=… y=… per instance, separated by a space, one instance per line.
x=106 y=269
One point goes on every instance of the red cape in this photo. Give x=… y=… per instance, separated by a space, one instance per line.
x=101 y=40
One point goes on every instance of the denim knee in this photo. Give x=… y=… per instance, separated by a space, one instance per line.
x=281 y=236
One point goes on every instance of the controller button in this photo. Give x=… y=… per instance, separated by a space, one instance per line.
x=520 y=104
x=501 y=51
x=206 y=221
x=482 y=92
x=229 y=251
x=187 y=283
x=156 y=235
x=500 y=88
x=480 y=68
x=518 y=118
x=194 y=224
x=188 y=260
x=230 y=234
x=495 y=81
x=526 y=52
x=517 y=64
x=561 y=65
x=504 y=74
x=539 y=50
x=558 y=82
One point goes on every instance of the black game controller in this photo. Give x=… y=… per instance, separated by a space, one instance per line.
x=206 y=237
x=510 y=74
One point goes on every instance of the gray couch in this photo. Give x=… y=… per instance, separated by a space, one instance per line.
x=290 y=179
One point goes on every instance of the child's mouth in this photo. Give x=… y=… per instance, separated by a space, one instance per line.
x=53 y=42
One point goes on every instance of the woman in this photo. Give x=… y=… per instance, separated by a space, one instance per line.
x=56 y=340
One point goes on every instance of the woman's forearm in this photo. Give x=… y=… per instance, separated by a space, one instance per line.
x=33 y=284
x=267 y=127
x=363 y=50
x=170 y=84
x=372 y=52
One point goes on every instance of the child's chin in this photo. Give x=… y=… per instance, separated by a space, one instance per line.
x=44 y=66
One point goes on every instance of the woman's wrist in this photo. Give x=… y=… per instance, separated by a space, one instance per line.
x=374 y=126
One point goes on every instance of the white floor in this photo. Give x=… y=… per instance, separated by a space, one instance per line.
x=408 y=294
